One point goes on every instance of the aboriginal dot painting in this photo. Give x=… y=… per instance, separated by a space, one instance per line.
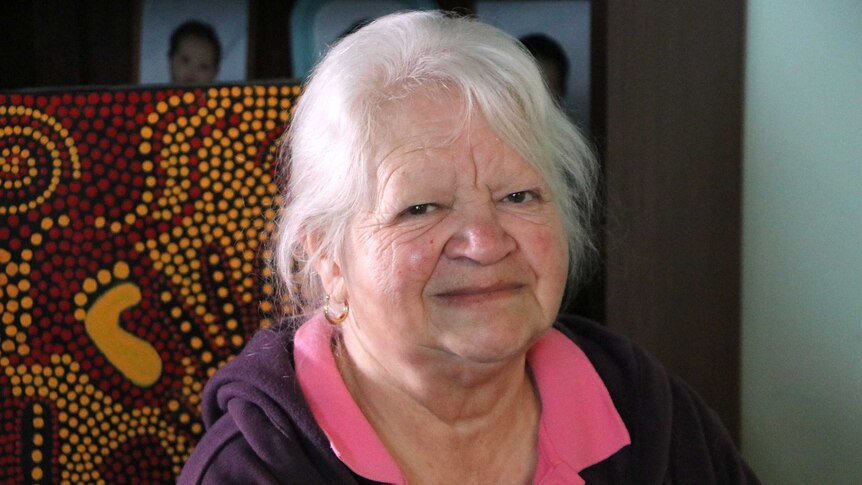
x=133 y=226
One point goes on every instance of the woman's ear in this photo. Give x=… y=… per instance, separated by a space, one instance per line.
x=327 y=268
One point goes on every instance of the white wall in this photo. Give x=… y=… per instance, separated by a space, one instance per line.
x=802 y=242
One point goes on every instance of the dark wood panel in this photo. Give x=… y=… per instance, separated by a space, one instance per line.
x=110 y=42
x=16 y=53
x=672 y=165
x=68 y=43
x=269 y=39
x=57 y=33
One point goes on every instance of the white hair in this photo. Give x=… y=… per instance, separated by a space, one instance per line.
x=329 y=152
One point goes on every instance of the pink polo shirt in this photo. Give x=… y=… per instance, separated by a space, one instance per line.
x=579 y=425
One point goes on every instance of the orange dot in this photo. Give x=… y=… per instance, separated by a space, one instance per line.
x=121 y=270
x=104 y=276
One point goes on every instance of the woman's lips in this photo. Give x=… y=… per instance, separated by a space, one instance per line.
x=477 y=294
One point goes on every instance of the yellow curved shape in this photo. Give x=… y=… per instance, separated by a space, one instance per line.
x=134 y=357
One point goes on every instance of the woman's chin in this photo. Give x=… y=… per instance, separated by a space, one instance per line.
x=492 y=344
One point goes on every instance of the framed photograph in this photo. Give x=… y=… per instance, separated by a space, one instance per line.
x=228 y=20
x=565 y=23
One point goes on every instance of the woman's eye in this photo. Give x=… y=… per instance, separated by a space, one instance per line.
x=419 y=209
x=520 y=197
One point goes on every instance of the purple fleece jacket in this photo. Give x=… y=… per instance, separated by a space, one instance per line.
x=260 y=429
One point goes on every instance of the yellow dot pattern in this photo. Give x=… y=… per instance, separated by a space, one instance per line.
x=234 y=200
x=15 y=302
x=205 y=162
x=90 y=426
x=20 y=167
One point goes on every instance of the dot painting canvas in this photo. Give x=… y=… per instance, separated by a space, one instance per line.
x=133 y=247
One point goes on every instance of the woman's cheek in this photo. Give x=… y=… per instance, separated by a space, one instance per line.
x=421 y=258
x=548 y=246
x=403 y=266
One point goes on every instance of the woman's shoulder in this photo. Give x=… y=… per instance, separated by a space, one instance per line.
x=259 y=426
x=674 y=433
x=261 y=371
x=617 y=359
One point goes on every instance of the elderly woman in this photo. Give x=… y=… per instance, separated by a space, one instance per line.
x=439 y=201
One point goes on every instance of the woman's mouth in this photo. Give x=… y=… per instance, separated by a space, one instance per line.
x=479 y=294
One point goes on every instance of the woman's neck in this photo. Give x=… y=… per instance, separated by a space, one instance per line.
x=436 y=413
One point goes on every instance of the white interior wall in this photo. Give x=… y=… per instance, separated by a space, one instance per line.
x=802 y=242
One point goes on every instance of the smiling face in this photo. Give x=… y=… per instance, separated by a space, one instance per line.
x=462 y=255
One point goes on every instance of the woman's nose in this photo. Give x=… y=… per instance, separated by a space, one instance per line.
x=480 y=237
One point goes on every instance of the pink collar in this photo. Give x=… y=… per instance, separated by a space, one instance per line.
x=579 y=426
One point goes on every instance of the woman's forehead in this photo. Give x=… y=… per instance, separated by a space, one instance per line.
x=428 y=116
x=435 y=130
x=429 y=151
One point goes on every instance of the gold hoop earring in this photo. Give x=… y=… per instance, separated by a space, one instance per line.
x=335 y=319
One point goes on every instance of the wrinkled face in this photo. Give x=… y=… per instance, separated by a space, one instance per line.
x=194 y=61
x=463 y=253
